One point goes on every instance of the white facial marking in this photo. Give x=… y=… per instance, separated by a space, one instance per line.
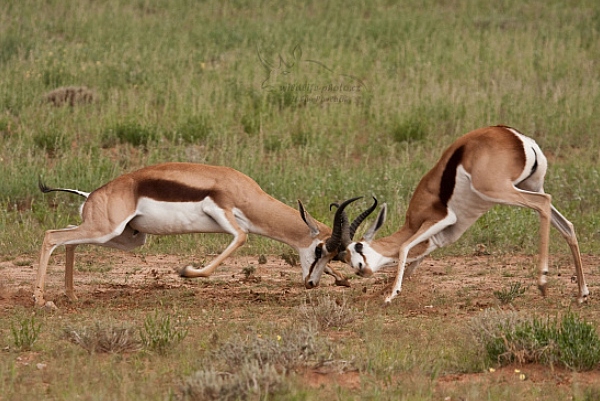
x=307 y=257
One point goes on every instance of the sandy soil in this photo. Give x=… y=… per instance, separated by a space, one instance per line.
x=451 y=287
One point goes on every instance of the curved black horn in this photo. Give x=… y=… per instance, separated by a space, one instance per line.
x=361 y=217
x=340 y=225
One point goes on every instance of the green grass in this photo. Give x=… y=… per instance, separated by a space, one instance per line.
x=568 y=341
x=182 y=81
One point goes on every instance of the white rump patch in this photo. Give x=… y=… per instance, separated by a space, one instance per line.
x=533 y=154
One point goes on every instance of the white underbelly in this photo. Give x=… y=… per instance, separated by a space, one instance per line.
x=467 y=205
x=155 y=217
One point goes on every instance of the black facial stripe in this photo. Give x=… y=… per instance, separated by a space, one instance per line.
x=359 y=248
x=319 y=251
x=318 y=255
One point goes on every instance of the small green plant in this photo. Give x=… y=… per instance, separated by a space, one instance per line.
x=284 y=99
x=248 y=271
x=273 y=143
x=25 y=333
x=160 y=334
x=290 y=258
x=195 y=129
x=408 y=130
x=512 y=293
x=52 y=141
x=510 y=337
x=251 y=123
x=578 y=343
x=129 y=132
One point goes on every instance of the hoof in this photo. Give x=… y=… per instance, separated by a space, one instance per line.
x=543 y=288
x=309 y=285
x=50 y=306
x=343 y=283
x=72 y=297
x=39 y=302
x=183 y=271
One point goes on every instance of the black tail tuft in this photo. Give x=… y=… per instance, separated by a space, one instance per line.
x=45 y=189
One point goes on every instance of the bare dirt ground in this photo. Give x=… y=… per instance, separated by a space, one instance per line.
x=442 y=287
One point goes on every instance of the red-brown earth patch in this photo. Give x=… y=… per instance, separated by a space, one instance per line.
x=443 y=287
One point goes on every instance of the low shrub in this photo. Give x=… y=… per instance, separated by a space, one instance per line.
x=327 y=312
x=104 y=339
x=25 y=333
x=509 y=337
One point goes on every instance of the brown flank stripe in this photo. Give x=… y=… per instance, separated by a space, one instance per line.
x=449 y=176
x=171 y=191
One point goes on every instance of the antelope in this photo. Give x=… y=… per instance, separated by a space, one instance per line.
x=179 y=198
x=488 y=166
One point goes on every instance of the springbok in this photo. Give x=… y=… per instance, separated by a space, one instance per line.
x=488 y=166
x=179 y=198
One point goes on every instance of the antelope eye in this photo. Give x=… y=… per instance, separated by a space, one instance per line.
x=319 y=251
x=358 y=247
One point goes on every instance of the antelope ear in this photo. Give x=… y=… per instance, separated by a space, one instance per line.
x=309 y=220
x=370 y=233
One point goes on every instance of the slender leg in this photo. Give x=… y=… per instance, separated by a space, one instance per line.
x=541 y=203
x=544 y=213
x=565 y=227
x=228 y=222
x=426 y=231
x=70 y=236
x=239 y=239
x=410 y=269
x=340 y=279
x=70 y=261
x=40 y=278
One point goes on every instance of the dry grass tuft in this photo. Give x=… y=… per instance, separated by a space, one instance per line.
x=70 y=95
x=328 y=312
x=289 y=349
x=250 y=379
x=98 y=339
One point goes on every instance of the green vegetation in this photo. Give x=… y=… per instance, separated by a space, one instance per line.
x=509 y=337
x=172 y=81
x=350 y=98
x=509 y=295
x=25 y=333
x=160 y=334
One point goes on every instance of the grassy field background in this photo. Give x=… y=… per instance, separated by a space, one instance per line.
x=317 y=102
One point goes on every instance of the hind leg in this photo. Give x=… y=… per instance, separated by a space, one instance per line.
x=565 y=227
x=71 y=237
x=69 y=262
x=540 y=202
